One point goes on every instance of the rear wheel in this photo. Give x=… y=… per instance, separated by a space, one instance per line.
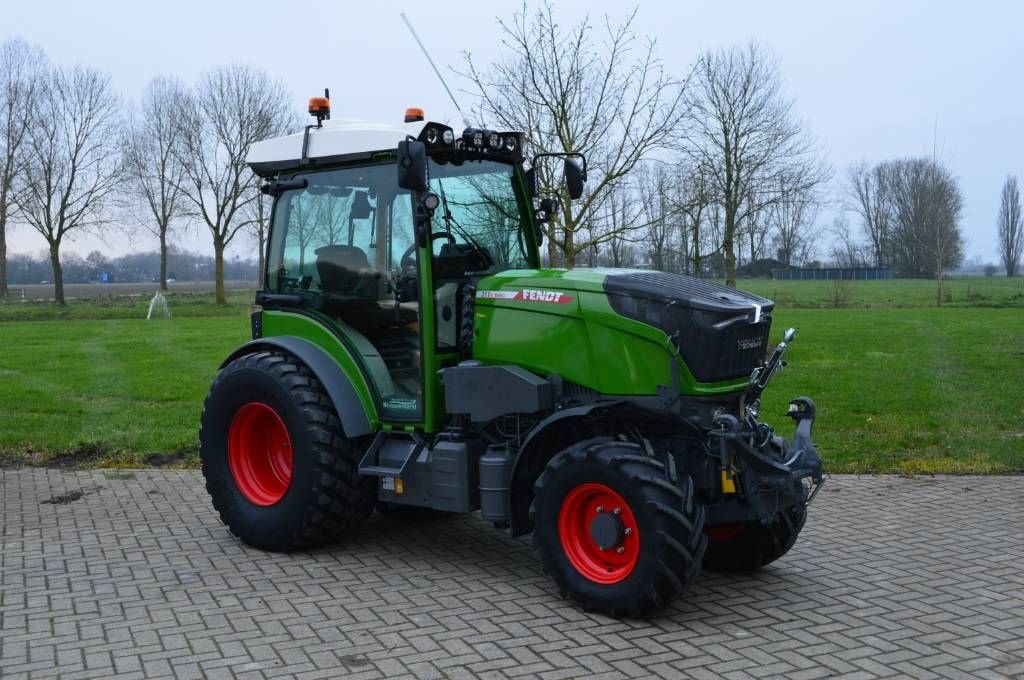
x=748 y=546
x=277 y=465
x=613 y=531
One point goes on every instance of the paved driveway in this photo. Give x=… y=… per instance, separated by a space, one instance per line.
x=107 y=574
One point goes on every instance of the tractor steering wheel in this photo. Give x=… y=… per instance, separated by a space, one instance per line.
x=407 y=257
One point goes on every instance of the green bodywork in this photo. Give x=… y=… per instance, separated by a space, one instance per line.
x=579 y=337
x=583 y=340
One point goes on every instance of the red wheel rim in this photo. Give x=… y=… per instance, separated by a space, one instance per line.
x=260 y=453
x=724 y=532
x=587 y=509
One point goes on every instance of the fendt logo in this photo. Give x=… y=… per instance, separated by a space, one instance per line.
x=552 y=297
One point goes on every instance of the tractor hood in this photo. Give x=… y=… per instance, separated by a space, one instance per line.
x=625 y=288
x=558 y=289
x=721 y=332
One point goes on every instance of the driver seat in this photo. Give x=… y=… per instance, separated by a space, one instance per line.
x=345 y=271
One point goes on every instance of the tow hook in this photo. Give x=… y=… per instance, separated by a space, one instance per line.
x=805 y=456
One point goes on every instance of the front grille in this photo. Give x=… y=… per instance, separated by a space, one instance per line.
x=742 y=349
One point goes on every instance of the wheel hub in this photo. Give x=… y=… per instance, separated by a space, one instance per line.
x=606 y=529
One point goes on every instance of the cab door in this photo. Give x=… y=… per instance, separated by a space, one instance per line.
x=337 y=245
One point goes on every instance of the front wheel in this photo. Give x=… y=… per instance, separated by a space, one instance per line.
x=277 y=465
x=613 y=531
x=748 y=546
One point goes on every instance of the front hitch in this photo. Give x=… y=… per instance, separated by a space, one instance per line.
x=771 y=474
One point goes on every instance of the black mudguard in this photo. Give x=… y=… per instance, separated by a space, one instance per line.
x=343 y=395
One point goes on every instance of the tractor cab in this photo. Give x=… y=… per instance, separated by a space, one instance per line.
x=384 y=257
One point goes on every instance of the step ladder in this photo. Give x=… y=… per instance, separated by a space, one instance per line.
x=371 y=466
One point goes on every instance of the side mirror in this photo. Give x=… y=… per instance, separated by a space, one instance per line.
x=412 y=165
x=574 y=178
x=789 y=335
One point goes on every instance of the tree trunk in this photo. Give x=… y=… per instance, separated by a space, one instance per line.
x=58 y=274
x=163 y=259
x=728 y=248
x=3 y=241
x=3 y=257
x=569 y=251
x=552 y=247
x=218 y=257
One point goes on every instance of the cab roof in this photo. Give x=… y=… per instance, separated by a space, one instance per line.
x=337 y=141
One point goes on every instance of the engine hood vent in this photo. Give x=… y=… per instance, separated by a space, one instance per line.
x=687 y=291
x=722 y=332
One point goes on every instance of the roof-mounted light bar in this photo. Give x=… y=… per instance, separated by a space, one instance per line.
x=505 y=146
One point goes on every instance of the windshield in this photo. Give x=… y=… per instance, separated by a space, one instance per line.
x=482 y=206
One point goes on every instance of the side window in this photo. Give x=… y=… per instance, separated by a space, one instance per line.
x=331 y=243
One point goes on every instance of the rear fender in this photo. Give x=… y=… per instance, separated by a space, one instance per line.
x=356 y=419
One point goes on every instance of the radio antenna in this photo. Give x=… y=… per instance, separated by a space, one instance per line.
x=434 y=66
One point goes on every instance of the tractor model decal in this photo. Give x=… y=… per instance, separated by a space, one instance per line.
x=553 y=297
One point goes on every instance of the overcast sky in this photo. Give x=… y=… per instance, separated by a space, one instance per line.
x=872 y=80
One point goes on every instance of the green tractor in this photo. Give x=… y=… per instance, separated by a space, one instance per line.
x=411 y=354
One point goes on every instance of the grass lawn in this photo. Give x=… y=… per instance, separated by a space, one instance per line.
x=908 y=390
x=898 y=390
x=110 y=391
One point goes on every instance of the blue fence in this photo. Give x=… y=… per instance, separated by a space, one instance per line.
x=829 y=273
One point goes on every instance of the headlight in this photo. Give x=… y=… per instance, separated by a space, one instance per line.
x=448 y=137
x=510 y=143
x=494 y=141
x=432 y=135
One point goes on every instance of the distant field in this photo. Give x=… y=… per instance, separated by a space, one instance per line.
x=967 y=292
x=133 y=306
x=913 y=389
x=44 y=291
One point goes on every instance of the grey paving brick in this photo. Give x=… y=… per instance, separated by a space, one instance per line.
x=892 y=577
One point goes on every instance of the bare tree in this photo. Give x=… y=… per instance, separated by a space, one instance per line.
x=696 y=203
x=846 y=251
x=154 y=172
x=790 y=223
x=869 y=194
x=73 y=163
x=927 y=204
x=232 y=108
x=22 y=69
x=611 y=101
x=1011 y=227
x=660 y=214
x=747 y=137
x=256 y=216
